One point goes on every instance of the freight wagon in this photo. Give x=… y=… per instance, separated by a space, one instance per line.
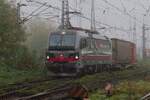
x=123 y=52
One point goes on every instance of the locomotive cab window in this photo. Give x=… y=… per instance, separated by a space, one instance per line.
x=62 y=41
x=68 y=40
x=55 y=40
x=91 y=43
x=83 y=43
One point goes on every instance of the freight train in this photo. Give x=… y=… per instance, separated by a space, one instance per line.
x=73 y=52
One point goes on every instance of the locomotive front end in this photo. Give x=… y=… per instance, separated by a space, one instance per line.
x=62 y=57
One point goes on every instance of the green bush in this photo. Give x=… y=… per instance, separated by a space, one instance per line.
x=26 y=59
x=127 y=90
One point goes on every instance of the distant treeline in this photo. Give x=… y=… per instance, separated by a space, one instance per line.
x=13 y=39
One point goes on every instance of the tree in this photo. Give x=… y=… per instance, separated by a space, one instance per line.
x=39 y=30
x=12 y=34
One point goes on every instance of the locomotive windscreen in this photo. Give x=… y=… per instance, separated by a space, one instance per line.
x=62 y=41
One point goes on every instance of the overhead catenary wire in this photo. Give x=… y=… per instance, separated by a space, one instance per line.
x=123 y=6
x=125 y=13
x=100 y=23
x=141 y=5
x=80 y=15
x=48 y=5
x=36 y=10
x=57 y=8
x=31 y=15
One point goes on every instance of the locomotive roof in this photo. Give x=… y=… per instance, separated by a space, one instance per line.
x=96 y=36
x=81 y=33
x=67 y=31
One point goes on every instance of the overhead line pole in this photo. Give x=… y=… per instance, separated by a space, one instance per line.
x=144 y=28
x=144 y=42
x=134 y=32
x=93 y=27
x=65 y=15
x=18 y=12
x=62 y=16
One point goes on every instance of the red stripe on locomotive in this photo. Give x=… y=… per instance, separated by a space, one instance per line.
x=62 y=59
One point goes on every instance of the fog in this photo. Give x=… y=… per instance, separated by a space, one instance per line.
x=123 y=18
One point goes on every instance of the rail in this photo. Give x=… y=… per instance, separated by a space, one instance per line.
x=13 y=91
x=146 y=97
x=70 y=90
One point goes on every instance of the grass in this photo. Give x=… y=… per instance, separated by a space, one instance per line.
x=126 y=90
x=10 y=75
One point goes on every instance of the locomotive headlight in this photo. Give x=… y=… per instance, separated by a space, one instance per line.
x=47 y=57
x=63 y=33
x=76 y=57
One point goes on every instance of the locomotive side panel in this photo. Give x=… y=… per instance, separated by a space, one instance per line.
x=123 y=52
x=99 y=53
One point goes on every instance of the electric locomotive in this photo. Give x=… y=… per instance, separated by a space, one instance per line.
x=74 y=52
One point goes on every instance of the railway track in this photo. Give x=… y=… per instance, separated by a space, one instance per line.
x=146 y=97
x=66 y=91
x=63 y=87
x=62 y=92
x=16 y=86
x=51 y=94
x=12 y=93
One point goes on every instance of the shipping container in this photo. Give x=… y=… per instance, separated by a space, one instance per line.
x=123 y=52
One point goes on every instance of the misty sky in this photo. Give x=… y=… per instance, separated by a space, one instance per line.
x=115 y=13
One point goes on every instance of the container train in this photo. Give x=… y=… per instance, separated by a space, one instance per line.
x=73 y=53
